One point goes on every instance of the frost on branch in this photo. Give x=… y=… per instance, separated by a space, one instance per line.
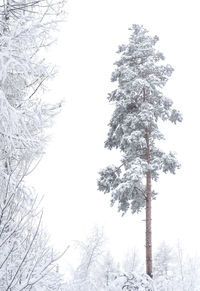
x=134 y=129
x=126 y=187
x=26 y=29
x=26 y=260
x=109 y=179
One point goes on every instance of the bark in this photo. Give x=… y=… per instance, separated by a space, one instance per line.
x=148 y=212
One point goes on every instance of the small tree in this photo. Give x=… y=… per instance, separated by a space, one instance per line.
x=139 y=105
x=87 y=275
x=163 y=259
x=164 y=268
x=110 y=269
x=132 y=262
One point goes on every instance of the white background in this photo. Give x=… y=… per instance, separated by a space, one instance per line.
x=67 y=176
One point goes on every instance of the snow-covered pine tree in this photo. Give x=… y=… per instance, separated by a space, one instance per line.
x=139 y=105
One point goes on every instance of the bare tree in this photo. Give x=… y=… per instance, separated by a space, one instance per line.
x=132 y=262
x=88 y=273
x=90 y=250
x=26 y=29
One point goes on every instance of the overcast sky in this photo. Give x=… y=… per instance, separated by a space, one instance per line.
x=67 y=175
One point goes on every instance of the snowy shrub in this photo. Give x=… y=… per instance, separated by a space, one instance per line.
x=131 y=282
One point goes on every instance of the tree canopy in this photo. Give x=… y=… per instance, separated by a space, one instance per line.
x=139 y=105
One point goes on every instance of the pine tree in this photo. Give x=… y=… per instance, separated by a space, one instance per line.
x=139 y=105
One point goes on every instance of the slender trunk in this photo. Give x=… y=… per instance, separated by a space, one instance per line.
x=148 y=213
x=149 y=270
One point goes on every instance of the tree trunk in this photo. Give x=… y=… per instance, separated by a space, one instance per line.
x=148 y=213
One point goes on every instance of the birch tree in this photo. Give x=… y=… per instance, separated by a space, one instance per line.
x=134 y=128
x=86 y=275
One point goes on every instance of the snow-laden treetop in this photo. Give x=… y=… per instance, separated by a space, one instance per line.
x=139 y=105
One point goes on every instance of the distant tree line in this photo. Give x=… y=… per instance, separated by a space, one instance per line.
x=98 y=270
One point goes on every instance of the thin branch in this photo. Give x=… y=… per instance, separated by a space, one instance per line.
x=41 y=82
x=142 y=191
x=25 y=256
x=9 y=253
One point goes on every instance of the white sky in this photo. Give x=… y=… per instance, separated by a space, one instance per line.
x=67 y=175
